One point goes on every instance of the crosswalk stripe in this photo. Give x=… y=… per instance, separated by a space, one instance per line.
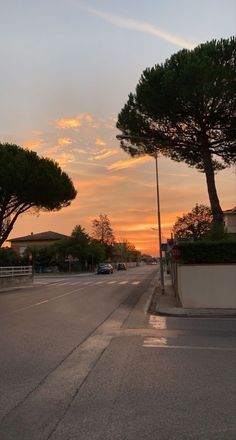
x=84 y=283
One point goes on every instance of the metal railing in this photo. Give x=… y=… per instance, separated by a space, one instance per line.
x=15 y=271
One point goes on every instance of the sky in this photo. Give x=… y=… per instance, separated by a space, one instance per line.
x=67 y=68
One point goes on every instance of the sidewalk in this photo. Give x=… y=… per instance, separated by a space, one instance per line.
x=168 y=304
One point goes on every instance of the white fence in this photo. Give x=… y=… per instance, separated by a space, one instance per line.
x=15 y=271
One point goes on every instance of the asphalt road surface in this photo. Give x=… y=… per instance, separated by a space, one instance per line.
x=80 y=359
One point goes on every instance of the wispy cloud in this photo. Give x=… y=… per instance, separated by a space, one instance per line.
x=79 y=150
x=140 y=26
x=129 y=163
x=91 y=164
x=104 y=154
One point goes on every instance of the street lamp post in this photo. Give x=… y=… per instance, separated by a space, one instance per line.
x=120 y=137
x=159 y=227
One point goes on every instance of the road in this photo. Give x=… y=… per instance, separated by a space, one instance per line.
x=80 y=359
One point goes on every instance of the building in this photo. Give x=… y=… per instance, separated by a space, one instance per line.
x=230 y=220
x=41 y=239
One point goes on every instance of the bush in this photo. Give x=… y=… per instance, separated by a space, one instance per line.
x=8 y=257
x=204 y=251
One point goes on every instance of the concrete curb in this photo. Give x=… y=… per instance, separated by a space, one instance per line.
x=196 y=313
x=167 y=305
x=15 y=288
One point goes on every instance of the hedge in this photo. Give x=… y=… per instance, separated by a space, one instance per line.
x=200 y=252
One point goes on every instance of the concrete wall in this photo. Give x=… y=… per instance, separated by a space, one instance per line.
x=16 y=281
x=230 y=222
x=207 y=286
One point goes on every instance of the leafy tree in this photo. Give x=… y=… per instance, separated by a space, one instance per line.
x=79 y=245
x=96 y=253
x=102 y=230
x=194 y=224
x=28 y=181
x=80 y=235
x=40 y=256
x=9 y=258
x=87 y=250
x=186 y=110
x=126 y=251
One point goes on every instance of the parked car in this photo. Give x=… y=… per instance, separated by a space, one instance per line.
x=105 y=268
x=121 y=266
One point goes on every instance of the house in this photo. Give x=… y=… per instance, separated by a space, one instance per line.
x=230 y=220
x=41 y=239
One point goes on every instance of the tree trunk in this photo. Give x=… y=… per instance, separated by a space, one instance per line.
x=217 y=213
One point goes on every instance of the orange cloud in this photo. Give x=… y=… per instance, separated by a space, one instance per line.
x=73 y=122
x=52 y=150
x=65 y=158
x=91 y=185
x=129 y=163
x=32 y=144
x=100 y=142
x=138 y=227
x=88 y=119
x=64 y=141
x=68 y=123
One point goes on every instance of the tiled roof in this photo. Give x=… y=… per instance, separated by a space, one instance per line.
x=41 y=236
x=230 y=211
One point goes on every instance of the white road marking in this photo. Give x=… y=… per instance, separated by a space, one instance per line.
x=155 y=342
x=84 y=283
x=162 y=343
x=158 y=322
x=46 y=301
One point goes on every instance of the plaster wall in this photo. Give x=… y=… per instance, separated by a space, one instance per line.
x=207 y=286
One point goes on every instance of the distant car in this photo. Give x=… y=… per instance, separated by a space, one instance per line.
x=121 y=266
x=105 y=268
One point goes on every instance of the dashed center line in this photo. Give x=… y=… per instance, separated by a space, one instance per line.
x=47 y=301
